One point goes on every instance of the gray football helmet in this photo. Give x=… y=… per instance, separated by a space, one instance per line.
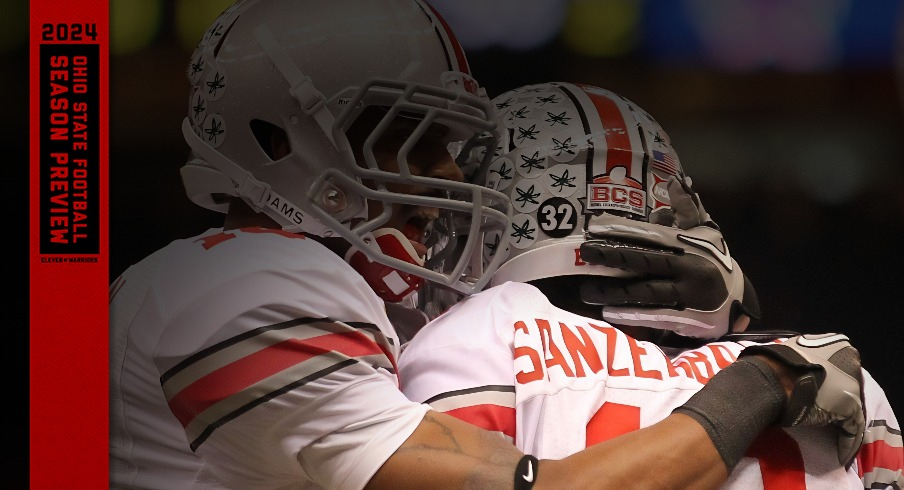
x=598 y=191
x=307 y=70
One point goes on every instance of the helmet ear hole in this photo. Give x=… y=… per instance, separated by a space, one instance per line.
x=271 y=138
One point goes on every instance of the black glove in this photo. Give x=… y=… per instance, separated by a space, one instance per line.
x=683 y=277
x=830 y=392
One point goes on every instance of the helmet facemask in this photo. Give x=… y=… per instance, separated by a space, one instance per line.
x=405 y=65
x=412 y=183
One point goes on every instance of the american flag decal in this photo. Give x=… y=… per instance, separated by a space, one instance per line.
x=664 y=162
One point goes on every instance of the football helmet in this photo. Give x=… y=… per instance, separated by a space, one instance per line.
x=591 y=175
x=305 y=71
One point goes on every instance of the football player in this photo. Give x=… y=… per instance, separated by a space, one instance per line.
x=261 y=354
x=617 y=302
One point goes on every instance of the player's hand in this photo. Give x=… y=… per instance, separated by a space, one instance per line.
x=682 y=277
x=829 y=392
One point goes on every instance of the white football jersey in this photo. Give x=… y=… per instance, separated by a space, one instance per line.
x=255 y=355
x=554 y=383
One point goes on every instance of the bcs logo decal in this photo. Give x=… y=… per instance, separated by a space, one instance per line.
x=617 y=197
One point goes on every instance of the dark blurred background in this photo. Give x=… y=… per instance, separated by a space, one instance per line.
x=788 y=114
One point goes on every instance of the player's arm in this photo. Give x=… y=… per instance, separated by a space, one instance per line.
x=676 y=452
x=679 y=452
x=445 y=452
x=881 y=458
x=695 y=447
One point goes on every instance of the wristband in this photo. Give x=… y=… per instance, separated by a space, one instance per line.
x=736 y=405
x=526 y=472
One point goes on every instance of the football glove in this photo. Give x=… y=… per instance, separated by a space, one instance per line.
x=829 y=392
x=683 y=276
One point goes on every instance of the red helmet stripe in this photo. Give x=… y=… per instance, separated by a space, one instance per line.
x=454 y=52
x=618 y=142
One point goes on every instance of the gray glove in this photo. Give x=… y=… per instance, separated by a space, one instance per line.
x=683 y=278
x=830 y=392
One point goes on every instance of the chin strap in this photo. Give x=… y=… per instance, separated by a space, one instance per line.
x=390 y=284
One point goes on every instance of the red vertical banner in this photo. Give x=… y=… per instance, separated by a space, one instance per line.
x=68 y=243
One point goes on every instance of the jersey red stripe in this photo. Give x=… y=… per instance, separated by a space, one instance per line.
x=490 y=417
x=239 y=375
x=878 y=454
x=781 y=464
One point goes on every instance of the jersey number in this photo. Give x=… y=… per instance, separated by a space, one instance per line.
x=778 y=454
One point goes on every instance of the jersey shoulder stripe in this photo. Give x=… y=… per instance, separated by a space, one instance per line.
x=210 y=388
x=880 y=460
x=491 y=407
x=503 y=395
x=493 y=418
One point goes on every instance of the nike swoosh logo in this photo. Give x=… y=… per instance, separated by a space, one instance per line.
x=529 y=476
x=808 y=341
x=723 y=257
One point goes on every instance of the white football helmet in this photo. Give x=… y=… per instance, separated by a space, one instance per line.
x=582 y=164
x=571 y=153
x=307 y=69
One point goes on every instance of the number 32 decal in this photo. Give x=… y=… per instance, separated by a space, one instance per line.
x=557 y=217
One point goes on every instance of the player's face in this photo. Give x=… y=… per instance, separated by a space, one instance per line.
x=429 y=157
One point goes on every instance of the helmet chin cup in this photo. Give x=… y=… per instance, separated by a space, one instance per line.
x=390 y=284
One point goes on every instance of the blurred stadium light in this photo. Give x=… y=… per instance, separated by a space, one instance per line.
x=134 y=25
x=193 y=16
x=727 y=35
x=510 y=24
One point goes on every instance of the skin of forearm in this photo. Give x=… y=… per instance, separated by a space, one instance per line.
x=447 y=453
x=451 y=454
x=674 y=453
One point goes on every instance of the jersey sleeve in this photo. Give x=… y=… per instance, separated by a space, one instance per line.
x=461 y=364
x=880 y=462
x=280 y=366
